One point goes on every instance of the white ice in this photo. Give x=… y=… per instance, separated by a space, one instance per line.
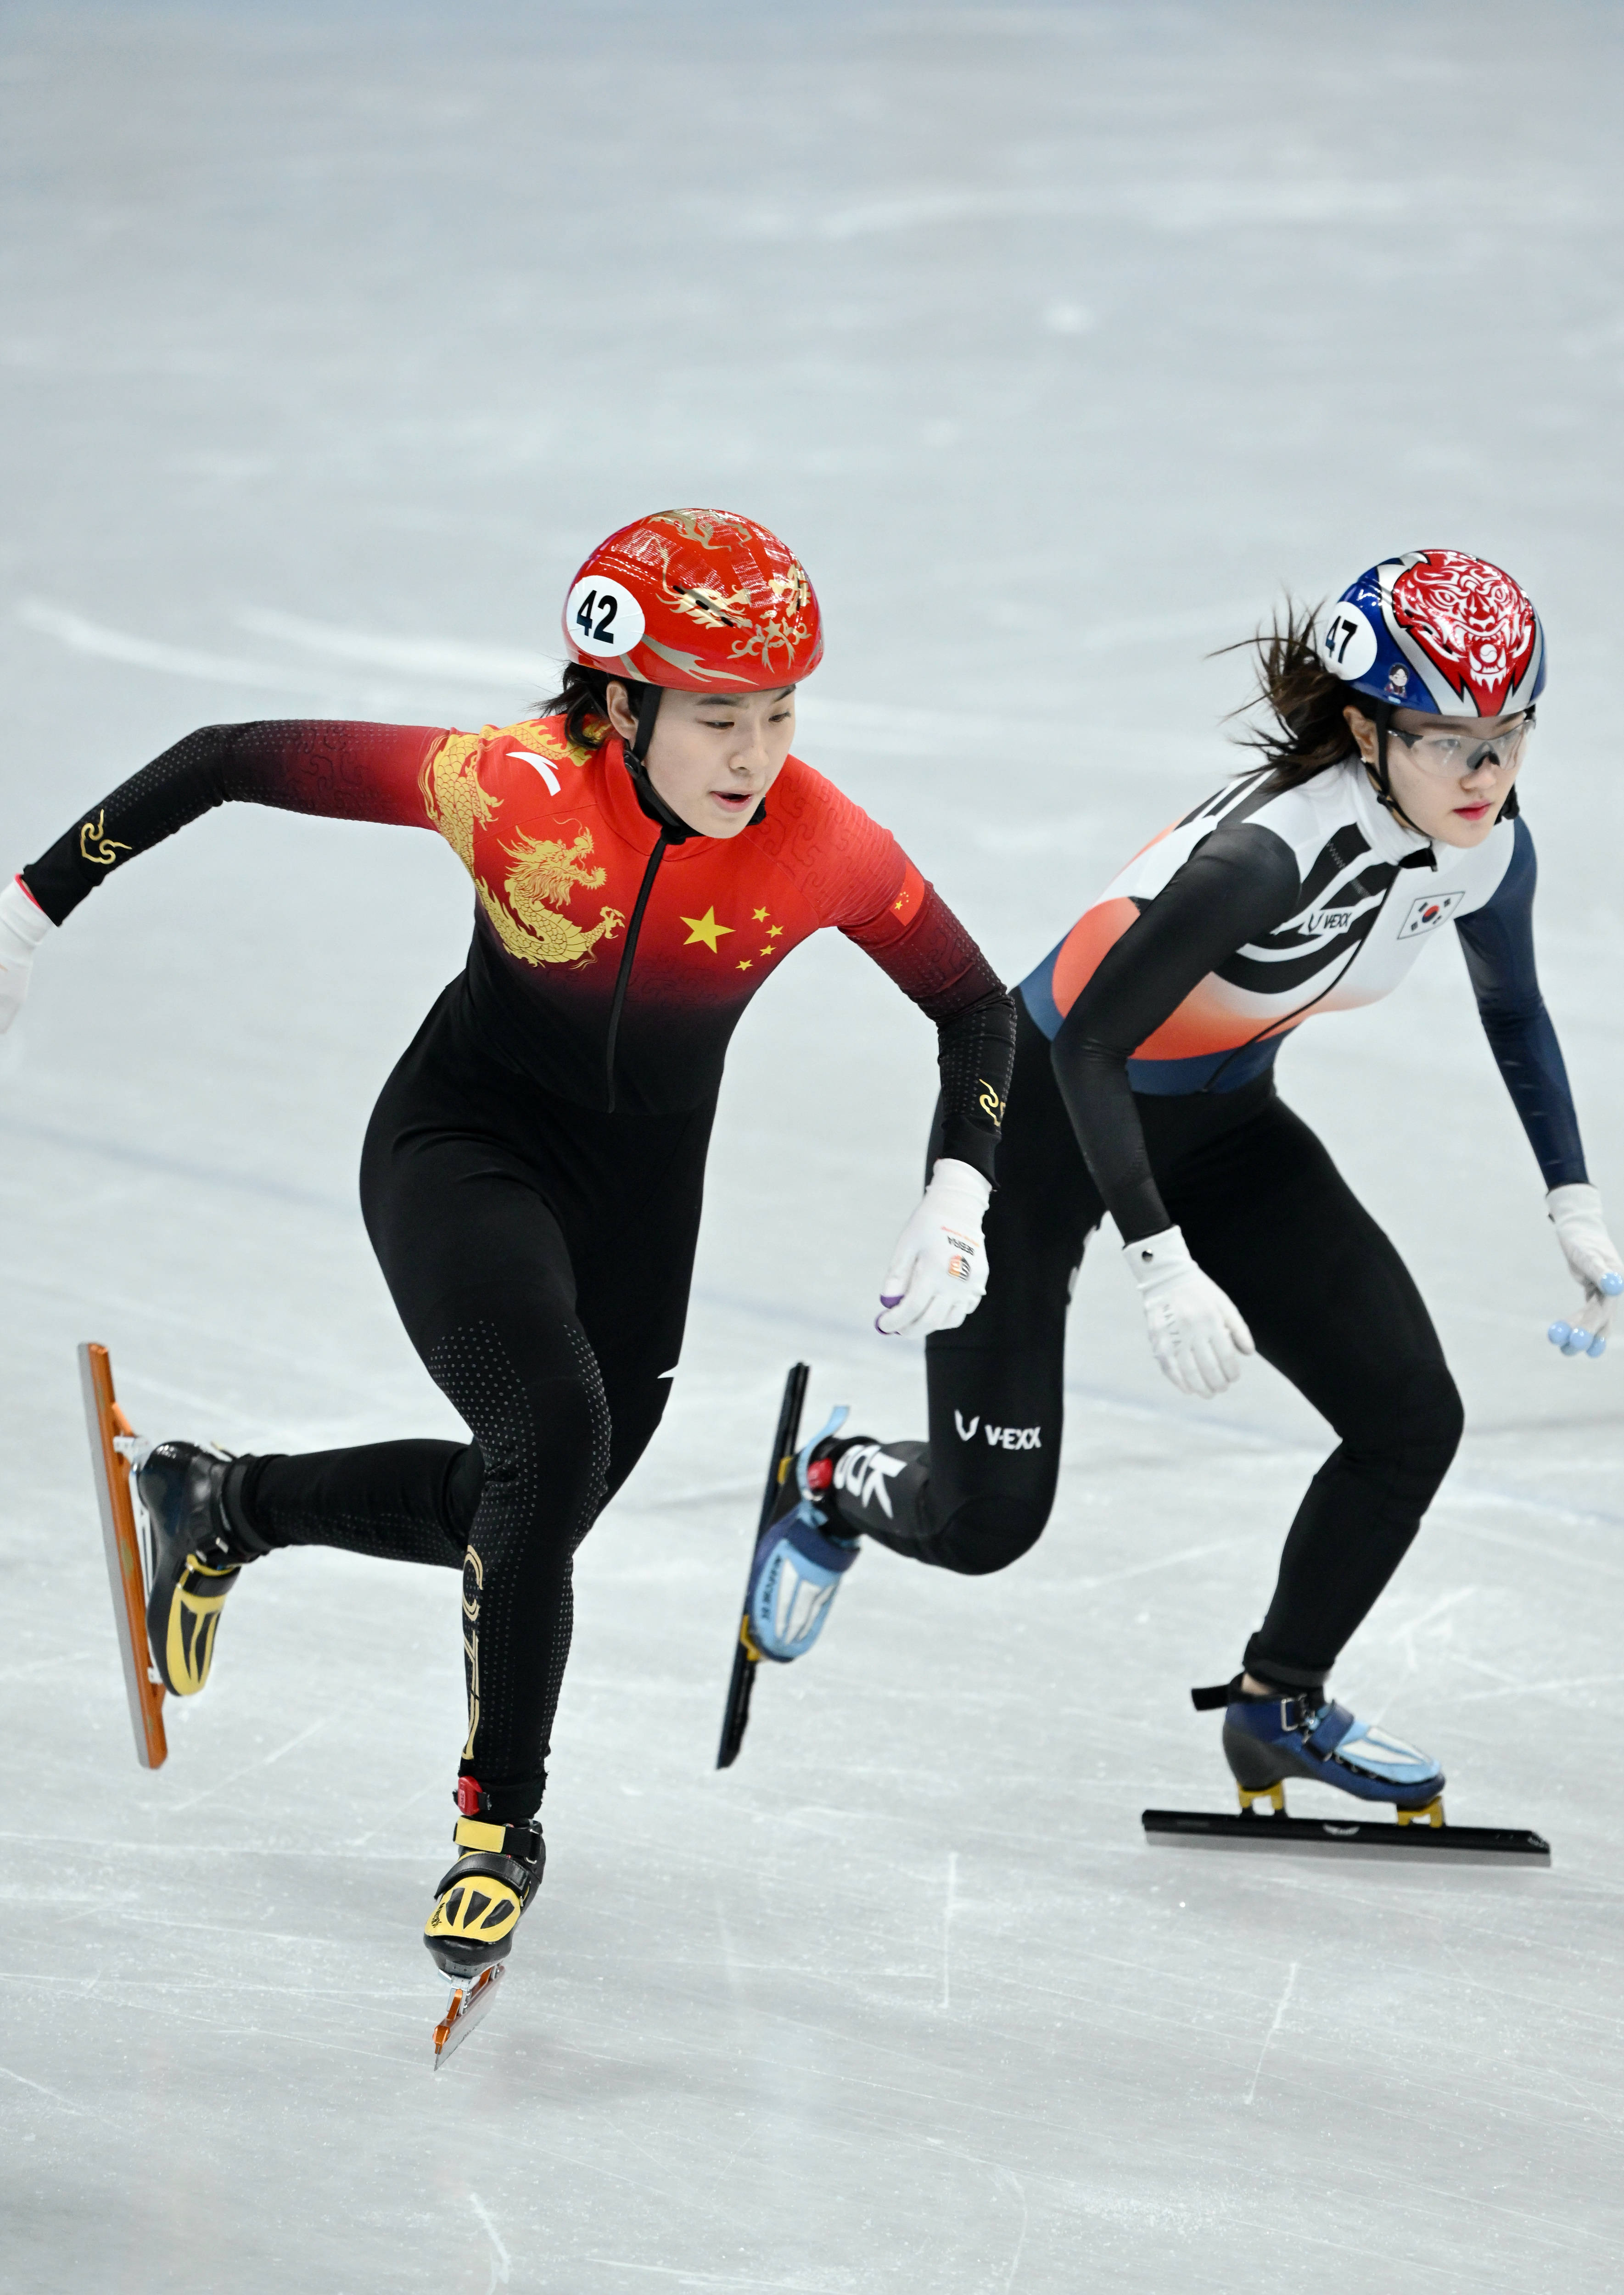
x=1057 y=338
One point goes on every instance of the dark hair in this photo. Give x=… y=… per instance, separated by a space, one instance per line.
x=1304 y=699
x=583 y=702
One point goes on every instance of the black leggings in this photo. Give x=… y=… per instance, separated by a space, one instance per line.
x=540 y=1257
x=1267 y=1215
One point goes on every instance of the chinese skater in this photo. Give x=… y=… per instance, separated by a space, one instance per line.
x=1380 y=817
x=645 y=853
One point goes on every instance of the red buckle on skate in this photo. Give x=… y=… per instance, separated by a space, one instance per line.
x=820 y=1474
x=469 y=1796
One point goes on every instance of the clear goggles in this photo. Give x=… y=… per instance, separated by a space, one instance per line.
x=1450 y=756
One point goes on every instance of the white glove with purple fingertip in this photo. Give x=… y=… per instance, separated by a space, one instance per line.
x=23 y=925
x=938 y=1271
x=1594 y=1262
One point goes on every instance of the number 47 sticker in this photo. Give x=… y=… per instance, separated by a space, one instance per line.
x=602 y=619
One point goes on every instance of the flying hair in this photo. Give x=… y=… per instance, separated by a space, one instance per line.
x=1304 y=730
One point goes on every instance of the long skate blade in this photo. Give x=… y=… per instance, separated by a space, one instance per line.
x=736 y=1714
x=105 y=1422
x=1404 y=1844
x=471 y=2000
x=736 y=1719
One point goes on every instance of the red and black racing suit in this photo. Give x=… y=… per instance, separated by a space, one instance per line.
x=532 y=1175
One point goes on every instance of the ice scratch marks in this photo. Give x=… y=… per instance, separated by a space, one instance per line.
x=1405 y=1637
x=264 y=1763
x=1160 y=1562
x=718 y=2278
x=1008 y=2181
x=730 y=1956
x=80 y=2111
x=501 y=2262
x=1513 y=1688
x=1281 y=2006
x=947 y=1930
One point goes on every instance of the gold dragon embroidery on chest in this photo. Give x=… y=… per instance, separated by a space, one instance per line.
x=530 y=912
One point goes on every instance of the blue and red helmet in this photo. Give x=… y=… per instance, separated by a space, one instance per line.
x=1436 y=630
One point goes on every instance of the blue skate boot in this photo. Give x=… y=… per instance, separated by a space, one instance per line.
x=1300 y=1734
x=798 y=1564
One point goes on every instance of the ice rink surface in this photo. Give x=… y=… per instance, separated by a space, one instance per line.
x=1056 y=339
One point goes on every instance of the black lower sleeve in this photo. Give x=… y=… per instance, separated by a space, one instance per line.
x=328 y=766
x=975 y=1055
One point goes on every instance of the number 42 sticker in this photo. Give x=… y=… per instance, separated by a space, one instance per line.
x=602 y=619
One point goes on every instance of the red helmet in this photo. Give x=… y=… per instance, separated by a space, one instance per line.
x=697 y=599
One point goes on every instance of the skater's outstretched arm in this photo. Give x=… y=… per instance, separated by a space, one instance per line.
x=1498 y=944
x=348 y=771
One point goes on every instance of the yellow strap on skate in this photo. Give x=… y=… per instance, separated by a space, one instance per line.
x=477 y=1907
x=189 y=1647
x=471 y=1835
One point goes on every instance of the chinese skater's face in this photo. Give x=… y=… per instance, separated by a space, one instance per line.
x=713 y=757
x=1450 y=776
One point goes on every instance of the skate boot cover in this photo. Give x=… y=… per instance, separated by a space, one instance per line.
x=478 y=1903
x=1303 y=1735
x=798 y=1564
x=195 y=1555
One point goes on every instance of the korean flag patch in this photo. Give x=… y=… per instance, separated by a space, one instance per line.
x=1431 y=910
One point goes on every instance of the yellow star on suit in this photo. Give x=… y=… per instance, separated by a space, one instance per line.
x=707 y=929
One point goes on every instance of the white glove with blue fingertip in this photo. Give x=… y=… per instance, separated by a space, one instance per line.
x=1594 y=1262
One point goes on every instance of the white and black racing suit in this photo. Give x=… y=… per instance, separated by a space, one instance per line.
x=1144 y=1086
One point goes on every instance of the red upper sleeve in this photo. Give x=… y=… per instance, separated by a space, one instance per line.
x=346 y=771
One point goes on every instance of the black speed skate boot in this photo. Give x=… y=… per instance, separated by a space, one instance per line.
x=196 y=1548
x=476 y=1909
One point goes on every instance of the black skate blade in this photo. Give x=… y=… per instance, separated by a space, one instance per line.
x=736 y=1716
x=1449 y=1844
x=471 y=2000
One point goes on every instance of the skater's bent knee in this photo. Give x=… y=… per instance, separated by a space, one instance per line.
x=1431 y=1418
x=987 y=1534
x=1405 y=1445
x=459 y=1492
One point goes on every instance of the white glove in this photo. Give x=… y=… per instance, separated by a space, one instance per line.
x=23 y=925
x=1196 y=1329
x=938 y=1271
x=1576 y=1214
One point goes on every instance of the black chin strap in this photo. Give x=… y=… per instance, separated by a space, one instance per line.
x=648 y=710
x=1383 y=713
x=1383 y=783
x=676 y=829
